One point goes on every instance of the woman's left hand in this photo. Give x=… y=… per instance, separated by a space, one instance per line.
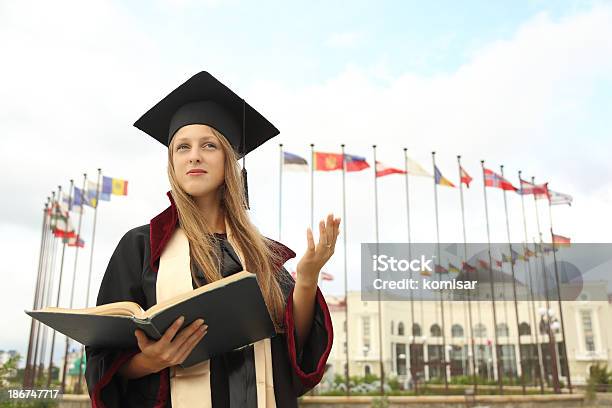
x=316 y=256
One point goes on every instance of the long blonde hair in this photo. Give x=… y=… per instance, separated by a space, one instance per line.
x=256 y=249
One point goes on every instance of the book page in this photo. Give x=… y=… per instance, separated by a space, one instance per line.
x=153 y=310
x=110 y=309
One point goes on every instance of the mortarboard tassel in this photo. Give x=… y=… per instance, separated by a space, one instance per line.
x=244 y=171
x=246 y=187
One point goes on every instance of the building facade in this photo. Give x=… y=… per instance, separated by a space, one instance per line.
x=414 y=337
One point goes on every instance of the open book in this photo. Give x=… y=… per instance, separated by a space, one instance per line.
x=232 y=307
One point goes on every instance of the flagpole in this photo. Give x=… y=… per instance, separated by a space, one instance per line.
x=93 y=239
x=412 y=360
x=344 y=239
x=469 y=296
x=438 y=273
x=312 y=164
x=551 y=344
x=516 y=312
x=53 y=243
x=280 y=190
x=59 y=287
x=76 y=257
x=93 y=236
x=569 y=380
x=47 y=278
x=380 y=317
x=498 y=362
x=534 y=325
x=36 y=336
x=28 y=368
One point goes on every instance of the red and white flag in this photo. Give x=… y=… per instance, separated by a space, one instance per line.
x=493 y=179
x=560 y=240
x=382 y=170
x=538 y=190
x=465 y=177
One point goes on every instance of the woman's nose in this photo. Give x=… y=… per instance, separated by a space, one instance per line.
x=194 y=157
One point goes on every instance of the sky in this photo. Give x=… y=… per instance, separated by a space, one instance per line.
x=527 y=85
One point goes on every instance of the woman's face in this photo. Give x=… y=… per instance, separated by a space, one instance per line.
x=198 y=159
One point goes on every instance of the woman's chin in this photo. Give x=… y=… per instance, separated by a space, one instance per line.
x=199 y=192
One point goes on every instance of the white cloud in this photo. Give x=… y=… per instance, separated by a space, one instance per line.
x=346 y=39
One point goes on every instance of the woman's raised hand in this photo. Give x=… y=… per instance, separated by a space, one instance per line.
x=316 y=256
x=171 y=348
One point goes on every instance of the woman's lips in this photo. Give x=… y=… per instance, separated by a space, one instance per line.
x=197 y=172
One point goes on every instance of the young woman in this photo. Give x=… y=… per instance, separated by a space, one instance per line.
x=207 y=231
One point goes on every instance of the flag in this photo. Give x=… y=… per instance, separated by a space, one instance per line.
x=425 y=272
x=327 y=161
x=61 y=227
x=528 y=253
x=382 y=170
x=355 y=163
x=465 y=177
x=440 y=269
x=92 y=190
x=114 y=186
x=440 y=179
x=74 y=241
x=77 y=197
x=538 y=190
x=415 y=169
x=72 y=206
x=453 y=268
x=293 y=162
x=84 y=197
x=483 y=264
x=467 y=267
x=560 y=240
x=493 y=179
x=326 y=276
x=59 y=220
x=514 y=256
x=498 y=263
x=556 y=198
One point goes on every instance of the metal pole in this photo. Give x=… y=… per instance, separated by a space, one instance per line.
x=496 y=342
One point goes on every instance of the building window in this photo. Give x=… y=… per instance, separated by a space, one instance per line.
x=502 y=330
x=435 y=330
x=416 y=330
x=367 y=370
x=400 y=359
x=524 y=329
x=344 y=326
x=587 y=329
x=366 y=347
x=366 y=326
x=400 y=329
x=391 y=326
x=457 y=330
x=480 y=330
x=344 y=347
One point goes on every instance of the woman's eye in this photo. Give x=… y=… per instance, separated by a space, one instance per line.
x=181 y=146
x=211 y=145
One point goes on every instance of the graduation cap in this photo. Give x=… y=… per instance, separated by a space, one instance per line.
x=204 y=100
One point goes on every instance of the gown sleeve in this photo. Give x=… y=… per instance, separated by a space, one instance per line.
x=309 y=363
x=122 y=282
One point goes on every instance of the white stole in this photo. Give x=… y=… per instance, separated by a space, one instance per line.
x=190 y=387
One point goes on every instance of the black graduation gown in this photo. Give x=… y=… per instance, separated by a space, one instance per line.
x=132 y=275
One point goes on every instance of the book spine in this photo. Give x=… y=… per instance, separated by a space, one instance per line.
x=148 y=327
